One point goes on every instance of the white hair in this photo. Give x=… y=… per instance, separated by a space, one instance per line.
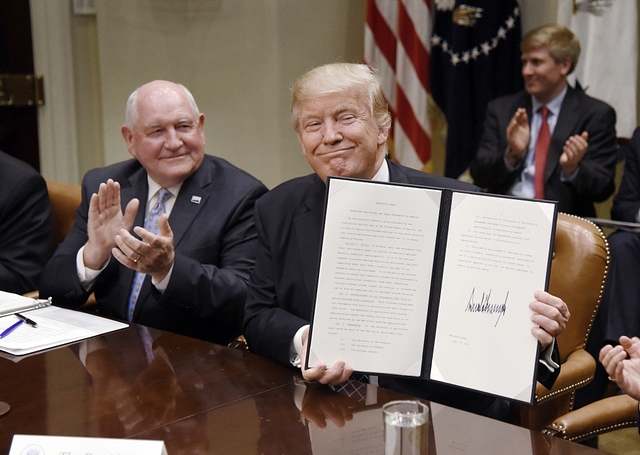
x=131 y=113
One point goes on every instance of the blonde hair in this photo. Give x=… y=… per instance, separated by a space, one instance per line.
x=559 y=40
x=335 y=78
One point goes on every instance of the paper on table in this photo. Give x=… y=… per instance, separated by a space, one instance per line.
x=497 y=257
x=622 y=225
x=12 y=303
x=73 y=445
x=56 y=326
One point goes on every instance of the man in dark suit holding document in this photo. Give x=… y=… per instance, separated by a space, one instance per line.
x=342 y=122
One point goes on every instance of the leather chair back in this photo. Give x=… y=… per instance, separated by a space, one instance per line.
x=65 y=199
x=578 y=272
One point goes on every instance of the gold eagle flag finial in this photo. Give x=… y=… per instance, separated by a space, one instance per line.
x=466 y=16
x=595 y=7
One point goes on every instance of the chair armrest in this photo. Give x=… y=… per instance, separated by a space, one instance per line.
x=91 y=305
x=576 y=372
x=239 y=343
x=608 y=414
x=32 y=294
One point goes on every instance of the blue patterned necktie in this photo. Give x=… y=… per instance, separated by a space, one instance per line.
x=355 y=387
x=151 y=225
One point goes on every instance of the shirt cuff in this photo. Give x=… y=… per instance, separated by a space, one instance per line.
x=545 y=357
x=512 y=167
x=564 y=178
x=509 y=166
x=86 y=275
x=162 y=285
x=296 y=346
x=299 y=392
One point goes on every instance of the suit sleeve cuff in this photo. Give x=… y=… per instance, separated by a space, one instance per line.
x=296 y=346
x=546 y=357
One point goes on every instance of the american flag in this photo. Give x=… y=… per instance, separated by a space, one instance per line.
x=397 y=44
x=475 y=57
x=608 y=65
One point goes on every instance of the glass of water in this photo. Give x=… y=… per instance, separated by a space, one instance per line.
x=406 y=428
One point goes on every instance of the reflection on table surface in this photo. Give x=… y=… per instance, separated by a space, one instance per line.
x=203 y=398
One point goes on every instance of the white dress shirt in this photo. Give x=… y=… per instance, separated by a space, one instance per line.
x=523 y=187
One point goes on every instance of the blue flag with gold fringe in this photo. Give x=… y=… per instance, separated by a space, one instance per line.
x=475 y=57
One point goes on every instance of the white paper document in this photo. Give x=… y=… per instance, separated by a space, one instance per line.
x=56 y=326
x=375 y=274
x=496 y=258
x=26 y=444
x=11 y=303
x=431 y=283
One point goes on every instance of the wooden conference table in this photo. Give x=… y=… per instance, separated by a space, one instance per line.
x=203 y=398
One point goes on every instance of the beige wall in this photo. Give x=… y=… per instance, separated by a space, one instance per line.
x=238 y=58
x=537 y=12
x=86 y=71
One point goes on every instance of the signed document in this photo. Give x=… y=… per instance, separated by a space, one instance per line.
x=432 y=283
x=498 y=255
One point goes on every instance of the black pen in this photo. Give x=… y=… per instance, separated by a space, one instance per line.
x=27 y=320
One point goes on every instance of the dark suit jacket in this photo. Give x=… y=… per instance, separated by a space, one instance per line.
x=626 y=202
x=25 y=225
x=579 y=112
x=619 y=311
x=214 y=242
x=283 y=284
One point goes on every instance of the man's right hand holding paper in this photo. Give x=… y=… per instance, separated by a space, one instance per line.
x=338 y=373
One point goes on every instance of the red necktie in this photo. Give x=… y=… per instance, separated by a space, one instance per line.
x=542 y=147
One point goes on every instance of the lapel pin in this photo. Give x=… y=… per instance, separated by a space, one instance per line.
x=196 y=199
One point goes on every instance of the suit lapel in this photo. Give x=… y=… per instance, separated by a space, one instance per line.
x=307 y=228
x=526 y=102
x=567 y=119
x=182 y=215
x=396 y=174
x=138 y=188
x=191 y=199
